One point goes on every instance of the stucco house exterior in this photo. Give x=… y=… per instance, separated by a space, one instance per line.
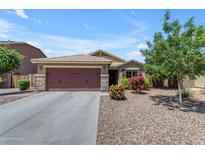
x=95 y=71
x=29 y=52
x=119 y=67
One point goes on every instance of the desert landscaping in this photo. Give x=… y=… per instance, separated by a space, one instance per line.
x=152 y=118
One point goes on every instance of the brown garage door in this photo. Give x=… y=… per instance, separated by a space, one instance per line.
x=72 y=79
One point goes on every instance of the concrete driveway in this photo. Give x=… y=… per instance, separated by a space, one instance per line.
x=51 y=118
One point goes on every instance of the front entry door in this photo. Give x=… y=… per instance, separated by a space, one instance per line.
x=113 y=77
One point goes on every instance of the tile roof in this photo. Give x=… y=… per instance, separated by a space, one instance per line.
x=119 y=64
x=107 y=53
x=72 y=58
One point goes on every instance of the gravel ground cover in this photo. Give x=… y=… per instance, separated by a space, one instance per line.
x=12 y=97
x=152 y=118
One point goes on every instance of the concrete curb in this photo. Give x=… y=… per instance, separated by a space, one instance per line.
x=16 y=92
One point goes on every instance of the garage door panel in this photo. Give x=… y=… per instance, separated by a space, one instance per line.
x=70 y=78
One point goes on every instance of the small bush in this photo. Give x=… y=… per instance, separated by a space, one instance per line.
x=137 y=83
x=1 y=79
x=147 y=83
x=177 y=105
x=195 y=109
x=125 y=83
x=186 y=93
x=23 y=84
x=117 y=92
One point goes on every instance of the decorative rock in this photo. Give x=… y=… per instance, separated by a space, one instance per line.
x=138 y=121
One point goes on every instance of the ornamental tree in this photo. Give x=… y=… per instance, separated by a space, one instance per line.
x=9 y=60
x=176 y=52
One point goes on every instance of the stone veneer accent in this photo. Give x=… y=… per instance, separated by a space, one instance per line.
x=104 y=82
x=40 y=82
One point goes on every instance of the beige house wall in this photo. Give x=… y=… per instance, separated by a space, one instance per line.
x=120 y=76
x=129 y=65
x=41 y=76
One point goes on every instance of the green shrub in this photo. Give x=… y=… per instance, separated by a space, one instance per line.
x=195 y=109
x=125 y=83
x=1 y=79
x=177 y=104
x=186 y=93
x=23 y=84
x=147 y=83
x=117 y=92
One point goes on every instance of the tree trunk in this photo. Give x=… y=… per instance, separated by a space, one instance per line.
x=179 y=92
x=190 y=83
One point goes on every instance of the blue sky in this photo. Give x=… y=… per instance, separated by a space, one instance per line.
x=66 y=32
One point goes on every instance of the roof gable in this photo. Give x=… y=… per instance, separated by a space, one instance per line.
x=107 y=55
x=133 y=63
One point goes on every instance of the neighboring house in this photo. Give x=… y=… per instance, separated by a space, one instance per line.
x=29 y=52
x=95 y=71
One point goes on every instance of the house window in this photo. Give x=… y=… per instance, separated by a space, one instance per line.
x=131 y=73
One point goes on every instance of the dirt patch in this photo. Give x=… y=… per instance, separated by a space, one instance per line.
x=13 y=97
x=151 y=119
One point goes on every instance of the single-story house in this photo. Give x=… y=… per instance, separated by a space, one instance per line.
x=95 y=71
